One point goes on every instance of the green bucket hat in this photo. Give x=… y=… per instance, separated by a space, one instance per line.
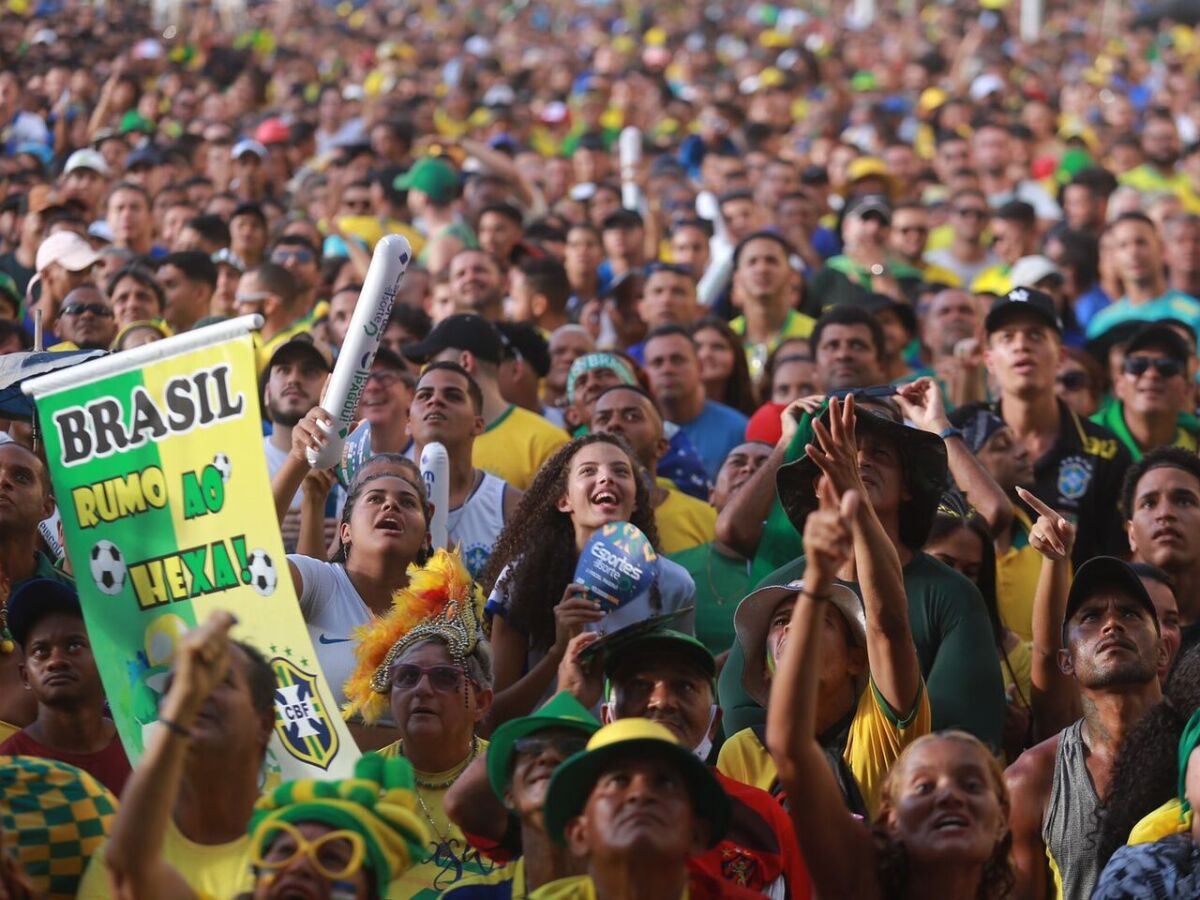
x=1188 y=742
x=923 y=457
x=647 y=640
x=573 y=781
x=560 y=711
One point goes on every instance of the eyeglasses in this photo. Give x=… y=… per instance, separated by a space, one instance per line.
x=335 y=854
x=1137 y=366
x=283 y=257
x=1073 y=381
x=968 y=212
x=385 y=378
x=536 y=745
x=443 y=679
x=96 y=309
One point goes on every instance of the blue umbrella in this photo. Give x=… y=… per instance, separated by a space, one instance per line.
x=16 y=368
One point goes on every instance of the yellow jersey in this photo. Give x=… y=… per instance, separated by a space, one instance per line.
x=683 y=521
x=515 y=446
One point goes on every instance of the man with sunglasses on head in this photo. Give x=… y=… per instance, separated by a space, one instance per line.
x=1152 y=394
x=297 y=254
x=86 y=320
x=271 y=291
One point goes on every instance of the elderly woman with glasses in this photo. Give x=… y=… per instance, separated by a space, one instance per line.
x=428 y=663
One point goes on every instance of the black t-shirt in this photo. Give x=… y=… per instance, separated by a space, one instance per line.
x=22 y=275
x=1080 y=477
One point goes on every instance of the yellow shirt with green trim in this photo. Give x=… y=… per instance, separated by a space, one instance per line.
x=1168 y=819
x=683 y=521
x=448 y=858
x=796 y=325
x=1017 y=571
x=263 y=350
x=878 y=735
x=931 y=273
x=215 y=870
x=1148 y=180
x=515 y=446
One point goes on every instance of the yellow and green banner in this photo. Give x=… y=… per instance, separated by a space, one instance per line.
x=156 y=456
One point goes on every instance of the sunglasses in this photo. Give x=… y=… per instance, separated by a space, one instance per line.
x=96 y=309
x=282 y=257
x=1137 y=366
x=444 y=679
x=536 y=745
x=1074 y=381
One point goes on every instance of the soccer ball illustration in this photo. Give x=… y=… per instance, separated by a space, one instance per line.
x=108 y=567
x=222 y=464
x=262 y=572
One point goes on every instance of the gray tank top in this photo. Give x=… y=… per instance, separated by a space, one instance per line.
x=1070 y=827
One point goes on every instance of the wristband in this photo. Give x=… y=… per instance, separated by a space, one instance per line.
x=177 y=728
x=946 y=433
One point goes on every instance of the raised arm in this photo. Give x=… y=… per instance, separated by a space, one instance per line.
x=1055 y=701
x=837 y=847
x=306 y=435
x=892 y=657
x=740 y=523
x=318 y=484
x=923 y=405
x=134 y=851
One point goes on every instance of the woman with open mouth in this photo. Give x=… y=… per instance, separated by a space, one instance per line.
x=536 y=607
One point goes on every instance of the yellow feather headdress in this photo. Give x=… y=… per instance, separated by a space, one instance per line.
x=441 y=602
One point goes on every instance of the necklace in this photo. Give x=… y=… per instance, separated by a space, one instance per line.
x=717 y=596
x=443 y=839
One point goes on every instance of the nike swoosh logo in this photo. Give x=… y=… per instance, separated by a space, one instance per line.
x=325 y=640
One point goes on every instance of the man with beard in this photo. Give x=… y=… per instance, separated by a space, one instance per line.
x=848 y=344
x=291 y=387
x=46 y=622
x=1137 y=252
x=992 y=155
x=1160 y=502
x=86 y=319
x=722 y=575
x=1160 y=150
x=477 y=284
x=1110 y=643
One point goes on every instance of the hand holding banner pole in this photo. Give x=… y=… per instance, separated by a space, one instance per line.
x=388 y=265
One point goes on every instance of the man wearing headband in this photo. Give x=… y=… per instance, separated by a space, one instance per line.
x=590 y=376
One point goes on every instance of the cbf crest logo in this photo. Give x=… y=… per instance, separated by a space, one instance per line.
x=1074 y=477
x=301 y=715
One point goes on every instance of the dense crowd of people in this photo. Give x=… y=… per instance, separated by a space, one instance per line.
x=878 y=321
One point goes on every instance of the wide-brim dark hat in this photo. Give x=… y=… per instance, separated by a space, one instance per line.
x=923 y=461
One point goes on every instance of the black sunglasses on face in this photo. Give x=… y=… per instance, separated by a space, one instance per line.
x=1137 y=366
x=1074 y=381
x=96 y=309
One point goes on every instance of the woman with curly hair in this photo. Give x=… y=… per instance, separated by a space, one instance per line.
x=535 y=607
x=723 y=367
x=942 y=824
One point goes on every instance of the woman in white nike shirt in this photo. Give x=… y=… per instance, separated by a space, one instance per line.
x=384 y=529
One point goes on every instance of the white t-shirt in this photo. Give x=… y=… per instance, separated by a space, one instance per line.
x=475 y=526
x=332 y=609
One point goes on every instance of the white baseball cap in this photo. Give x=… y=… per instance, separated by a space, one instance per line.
x=87 y=158
x=1029 y=271
x=241 y=148
x=67 y=249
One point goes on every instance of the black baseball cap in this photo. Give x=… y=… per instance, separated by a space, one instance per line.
x=1107 y=573
x=1023 y=299
x=525 y=339
x=304 y=345
x=861 y=207
x=462 y=331
x=1161 y=337
x=35 y=599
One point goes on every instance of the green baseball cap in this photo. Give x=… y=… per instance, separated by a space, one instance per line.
x=573 y=781
x=433 y=177
x=560 y=711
